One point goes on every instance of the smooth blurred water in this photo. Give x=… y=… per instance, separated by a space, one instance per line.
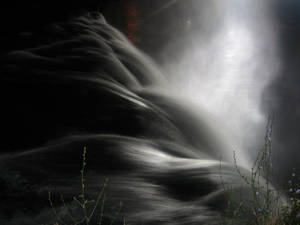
x=223 y=65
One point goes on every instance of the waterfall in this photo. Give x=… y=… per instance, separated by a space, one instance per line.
x=223 y=65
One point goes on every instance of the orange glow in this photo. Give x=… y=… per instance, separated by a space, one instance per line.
x=131 y=20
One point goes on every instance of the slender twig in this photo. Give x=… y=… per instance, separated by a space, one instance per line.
x=98 y=198
x=102 y=210
x=54 y=210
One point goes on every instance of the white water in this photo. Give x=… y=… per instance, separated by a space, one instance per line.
x=225 y=66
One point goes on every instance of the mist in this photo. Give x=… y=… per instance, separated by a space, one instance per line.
x=221 y=58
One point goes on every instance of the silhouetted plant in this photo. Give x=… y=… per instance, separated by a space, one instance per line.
x=87 y=206
x=266 y=204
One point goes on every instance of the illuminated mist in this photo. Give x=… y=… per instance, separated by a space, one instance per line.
x=226 y=62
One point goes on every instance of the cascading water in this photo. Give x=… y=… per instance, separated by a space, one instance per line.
x=82 y=85
x=223 y=66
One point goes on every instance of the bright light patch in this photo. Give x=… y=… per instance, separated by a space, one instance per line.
x=225 y=71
